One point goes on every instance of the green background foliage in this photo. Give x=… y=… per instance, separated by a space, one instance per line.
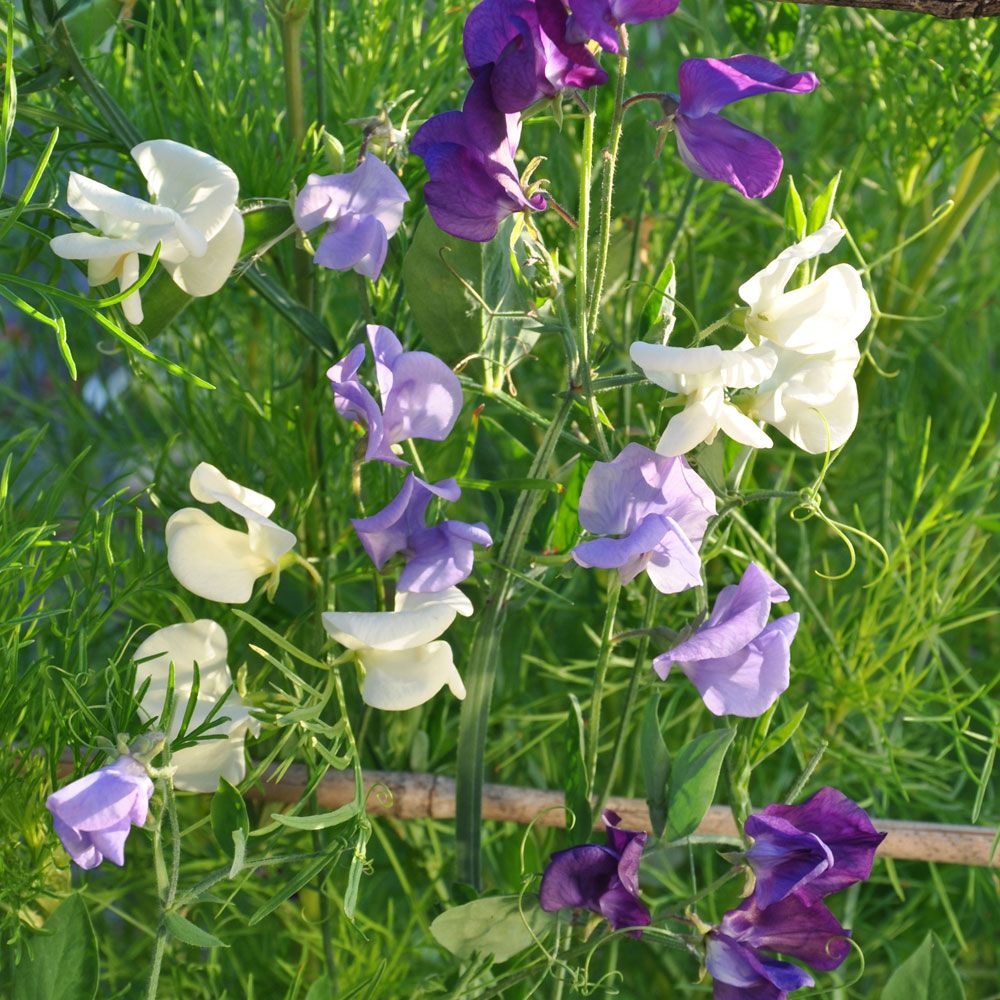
x=892 y=659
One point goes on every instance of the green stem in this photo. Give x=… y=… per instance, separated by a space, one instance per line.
x=633 y=690
x=483 y=662
x=603 y=659
x=607 y=189
x=169 y=888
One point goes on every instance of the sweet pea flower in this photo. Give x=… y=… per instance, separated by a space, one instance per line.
x=599 y=19
x=404 y=666
x=437 y=557
x=716 y=149
x=702 y=375
x=217 y=562
x=364 y=209
x=94 y=815
x=734 y=951
x=526 y=44
x=813 y=849
x=195 y=220
x=659 y=506
x=469 y=155
x=421 y=396
x=826 y=315
x=737 y=661
x=602 y=879
x=197 y=768
x=811 y=398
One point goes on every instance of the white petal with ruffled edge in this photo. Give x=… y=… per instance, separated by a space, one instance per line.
x=203 y=642
x=399 y=680
x=201 y=276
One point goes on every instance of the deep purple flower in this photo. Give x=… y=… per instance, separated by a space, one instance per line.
x=813 y=849
x=733 y=956
x=93 y=815
x=659 y=506
x=469 y=154
x=364 y=208
x=599 y=19
x=421 y=396
x=437 y=557
x=737 y=661
x=716 y=149
x=603 y=879
x=526 y=44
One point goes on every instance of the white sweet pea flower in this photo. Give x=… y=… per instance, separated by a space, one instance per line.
x=811 y=398
x=815 y=318
x=195 y=219
x=702 y=375
x=403 y=666
x=198 y=768
x=217 y=562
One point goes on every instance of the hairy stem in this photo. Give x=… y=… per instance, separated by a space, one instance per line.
x=603 y=658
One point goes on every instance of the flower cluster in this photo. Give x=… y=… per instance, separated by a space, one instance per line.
x=800 y=855
x=796 y=362
x=193 y=218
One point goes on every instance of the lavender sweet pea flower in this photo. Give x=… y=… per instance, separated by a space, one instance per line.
x=603 y=879
x=733 y=956
x=599 y=19
x=526 y=44
x=437 y=557
x=421 y=396
x=737 y=661
x=659 y=506
x=716 y=149
x=93 y=816
x=469 y=154
x=364 y=208
x=813 y=849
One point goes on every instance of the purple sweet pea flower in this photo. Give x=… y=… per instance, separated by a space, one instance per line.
x=813 y=849
x=603 y=879
x=469 y=154
x=716 y=149
x=659 y=506
x=94 y=815
x=737 y=661
x=733 y=956
x=437 y=557
x=364 y=208
x=526 y=44
x=421 y=396
x=599 y=19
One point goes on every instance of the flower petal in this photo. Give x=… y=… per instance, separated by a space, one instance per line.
x=706 y=85
x=397 y=681
x=389 y=630
x=354 y=242
x=205 y=275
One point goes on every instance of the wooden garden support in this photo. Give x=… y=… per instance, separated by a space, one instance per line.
x=421 y=796
x=951 y=9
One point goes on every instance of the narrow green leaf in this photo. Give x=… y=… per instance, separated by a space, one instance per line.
x=695 y=778
x=564 y=531
x=775 y=740
x=655 y=765
x=320 y=821
x=188 y=933
x=657 y=316
x=292 y=886
x=821 y=210
x=491 y=926
x=279 y=640
x=795 y=216
x=928 y=974
x=63 y=961
x=577 y=792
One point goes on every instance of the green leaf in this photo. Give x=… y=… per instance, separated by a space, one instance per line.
x=293 y=885
x=188 y=933
x=445 y=313
x=577 y=791
x=320 y=821
x=492 y=926
x=229 y=816
x=776 y=740
x=744 y=19
x=63 y=961
x=655 y=765
x=821 y=210
x=928 y=974
x=657 y=316
x=565 y=528
x=795 y=216
x=695 y=777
